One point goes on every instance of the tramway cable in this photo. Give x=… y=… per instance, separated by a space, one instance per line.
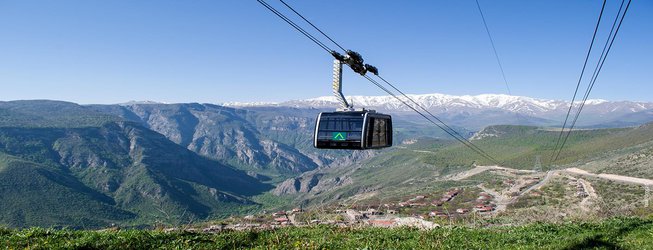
x=354 y=60
x=294 y=25
x=582 y=72
x=493 y=47
x=597 y=70
x=463 y=140
x=459 y=137
x=309 y=22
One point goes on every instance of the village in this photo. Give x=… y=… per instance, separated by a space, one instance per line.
x=421 y=211
x=425 y=211
x=488 y=192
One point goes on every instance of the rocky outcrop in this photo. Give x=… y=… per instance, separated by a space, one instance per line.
x=317 y=181
x=249 y=140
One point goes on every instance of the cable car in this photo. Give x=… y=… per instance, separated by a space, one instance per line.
x=364 y=129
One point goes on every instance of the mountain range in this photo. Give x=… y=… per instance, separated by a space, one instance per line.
x=492 y=109
x=141 y=163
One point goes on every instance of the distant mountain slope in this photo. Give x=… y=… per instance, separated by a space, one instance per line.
x=270 y=141
x=630 y=120
x=46 y=113
x=238 y=137
x=124 y=172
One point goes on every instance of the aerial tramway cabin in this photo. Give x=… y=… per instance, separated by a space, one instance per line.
x=365 y=129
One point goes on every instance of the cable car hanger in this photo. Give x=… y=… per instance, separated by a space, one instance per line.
x=350 y=128
x=355 y=62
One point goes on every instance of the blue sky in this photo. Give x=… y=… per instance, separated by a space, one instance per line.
x=236 y=50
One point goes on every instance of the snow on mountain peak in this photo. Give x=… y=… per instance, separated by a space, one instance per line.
x=444 y=103
x=249 y=104
x=439 y=100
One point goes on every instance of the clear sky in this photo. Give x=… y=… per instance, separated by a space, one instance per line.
x=93 y=51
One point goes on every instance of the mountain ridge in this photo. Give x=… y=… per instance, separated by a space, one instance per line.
x=431 y=100
x=489 y=107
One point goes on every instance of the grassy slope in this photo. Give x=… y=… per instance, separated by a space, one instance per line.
x=630 y=161
x=415 y=168
x=621 y=233
x=37 y=195
x=157 y=181
x=518 y=146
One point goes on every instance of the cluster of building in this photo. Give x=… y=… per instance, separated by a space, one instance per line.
x=483 y=203
x=356 y=215
x=284 y=217
x=417 y=201
x=444 y=215
x=420 y=200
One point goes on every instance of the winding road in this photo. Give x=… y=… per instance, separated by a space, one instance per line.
x=614 y=177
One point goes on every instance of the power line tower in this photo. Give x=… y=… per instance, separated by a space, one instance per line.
x=538 y=163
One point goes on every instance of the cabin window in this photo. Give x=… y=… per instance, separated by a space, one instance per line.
x=351 y=126
x=378 y=132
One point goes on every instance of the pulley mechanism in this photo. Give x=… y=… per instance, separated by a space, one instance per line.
x=355 y=62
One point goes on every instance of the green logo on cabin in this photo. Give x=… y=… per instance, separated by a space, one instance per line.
x=339 y=136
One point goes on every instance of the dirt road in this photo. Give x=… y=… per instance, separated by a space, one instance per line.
x=614 y=177
x=481 y=169
x=587 y=204
x=539 y=184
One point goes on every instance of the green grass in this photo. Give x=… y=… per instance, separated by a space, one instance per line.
x=619 y=233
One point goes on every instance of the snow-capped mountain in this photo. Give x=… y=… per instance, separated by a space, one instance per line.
x=249 y=104
x=495 y=107
x=518 y=104
x=133 y=102
x=442 y=102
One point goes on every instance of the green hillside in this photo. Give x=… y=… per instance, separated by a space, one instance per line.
x=134 y=175
x=37 y=195
x=518 y=146
x=424 y=166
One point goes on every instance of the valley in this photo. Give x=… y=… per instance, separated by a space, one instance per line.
x=178 y=163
